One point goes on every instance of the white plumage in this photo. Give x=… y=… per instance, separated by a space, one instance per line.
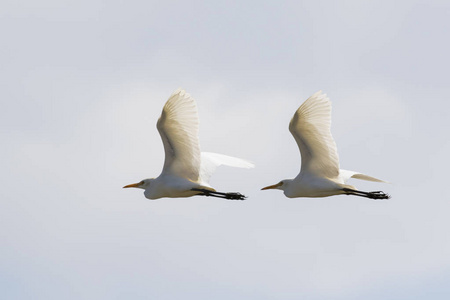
x=320 y=175
x=186 y=170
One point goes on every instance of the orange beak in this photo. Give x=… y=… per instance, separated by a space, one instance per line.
x=272 y=186
x=135 y=185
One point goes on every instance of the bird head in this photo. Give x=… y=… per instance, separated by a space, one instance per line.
x=143 y=184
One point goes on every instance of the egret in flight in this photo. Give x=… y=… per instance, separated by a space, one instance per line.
x=186 y=170
x=319 y=175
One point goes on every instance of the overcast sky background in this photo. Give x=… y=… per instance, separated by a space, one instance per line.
x=83 y=84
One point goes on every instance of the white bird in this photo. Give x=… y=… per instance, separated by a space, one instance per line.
x=186 y=170
x=319 y=175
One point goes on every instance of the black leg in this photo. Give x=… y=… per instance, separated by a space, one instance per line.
x=229 y=196
x=378 y=195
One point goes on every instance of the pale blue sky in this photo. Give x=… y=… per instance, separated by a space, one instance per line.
x=82 y=86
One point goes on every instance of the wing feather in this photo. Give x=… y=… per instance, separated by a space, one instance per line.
x=178 y=127
x=210 y=161
x=310 y=127
x=346 y=175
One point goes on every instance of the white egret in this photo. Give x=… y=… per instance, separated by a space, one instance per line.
x=319 y=175
x=186 y=170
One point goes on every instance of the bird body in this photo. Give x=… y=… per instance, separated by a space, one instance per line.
x=167 y=185
x=186 y=170
x=311 y=186
x=320 y=175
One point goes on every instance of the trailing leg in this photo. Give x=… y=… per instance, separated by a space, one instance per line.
x=229 y=196
x=378 y=195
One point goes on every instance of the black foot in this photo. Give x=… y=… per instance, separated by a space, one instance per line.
x=229 y=196
x=378 y=195
x=235 y=196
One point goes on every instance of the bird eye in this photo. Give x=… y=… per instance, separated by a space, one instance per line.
x=142 y=182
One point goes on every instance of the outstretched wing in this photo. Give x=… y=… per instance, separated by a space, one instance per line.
x=346 y=175
x=210 y=161
x=178 y=127
x=310 y=127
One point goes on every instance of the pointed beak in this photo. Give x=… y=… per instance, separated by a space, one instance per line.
x=135 y=185
x=270 y=187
